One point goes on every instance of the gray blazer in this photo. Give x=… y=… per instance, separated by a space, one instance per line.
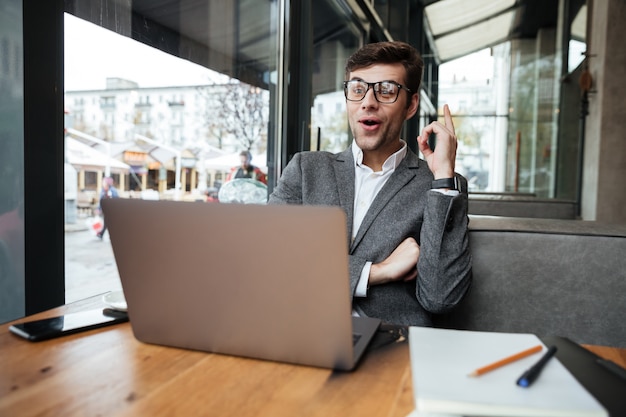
x=405 y=206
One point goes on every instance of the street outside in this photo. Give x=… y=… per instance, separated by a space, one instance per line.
x=90 y=267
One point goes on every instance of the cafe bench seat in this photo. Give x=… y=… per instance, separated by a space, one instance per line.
x=547 y=277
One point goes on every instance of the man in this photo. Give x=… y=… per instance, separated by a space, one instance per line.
x=246 y=170
x=406 y=218
x=107 y=191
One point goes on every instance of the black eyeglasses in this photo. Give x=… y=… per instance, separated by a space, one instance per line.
x=384 y=91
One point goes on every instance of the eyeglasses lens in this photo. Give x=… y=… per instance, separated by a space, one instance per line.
x=384 y=91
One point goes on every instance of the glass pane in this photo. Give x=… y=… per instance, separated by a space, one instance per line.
x=472 y=87
x=335 y=39
x=533 y=116
x=504 y=102
x=165 y=118
x=12 y=292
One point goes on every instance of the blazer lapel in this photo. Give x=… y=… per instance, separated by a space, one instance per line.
x=344 y=174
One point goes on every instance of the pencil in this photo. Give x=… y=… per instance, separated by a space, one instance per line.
x=506 y=361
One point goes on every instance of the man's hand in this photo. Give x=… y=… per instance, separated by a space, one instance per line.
x=400 y=265
x=441 y=161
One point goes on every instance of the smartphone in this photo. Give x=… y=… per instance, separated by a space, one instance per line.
x=67 y=324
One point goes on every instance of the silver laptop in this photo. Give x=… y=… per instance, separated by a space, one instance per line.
x=267 y=282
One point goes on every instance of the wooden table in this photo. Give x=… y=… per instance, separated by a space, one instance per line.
x=107 y=372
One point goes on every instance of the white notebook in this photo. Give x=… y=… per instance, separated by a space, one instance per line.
x=441 y=360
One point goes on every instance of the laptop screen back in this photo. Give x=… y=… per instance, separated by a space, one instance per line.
x=267 y=282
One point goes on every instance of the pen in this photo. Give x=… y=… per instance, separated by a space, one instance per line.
x=533 y=372
x=506 y=360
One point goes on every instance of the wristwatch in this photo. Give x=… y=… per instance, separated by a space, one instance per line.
x=450 y=183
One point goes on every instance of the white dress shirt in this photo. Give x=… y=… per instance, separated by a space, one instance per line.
x=367 y=184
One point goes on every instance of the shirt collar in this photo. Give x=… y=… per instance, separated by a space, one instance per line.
x=390 y=164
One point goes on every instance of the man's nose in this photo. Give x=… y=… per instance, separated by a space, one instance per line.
x=370 y=99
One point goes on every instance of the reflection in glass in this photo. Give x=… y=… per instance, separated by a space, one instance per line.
x=12 y=292
x=335 y=39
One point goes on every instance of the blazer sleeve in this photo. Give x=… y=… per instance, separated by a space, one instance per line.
x=444 y=266
x=289 y=187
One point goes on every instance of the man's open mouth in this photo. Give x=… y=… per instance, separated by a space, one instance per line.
x=370 y=122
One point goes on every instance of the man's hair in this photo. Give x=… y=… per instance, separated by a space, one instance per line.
x=390 y=53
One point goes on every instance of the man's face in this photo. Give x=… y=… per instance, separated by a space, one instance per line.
x=376 y=126
x=245 y=162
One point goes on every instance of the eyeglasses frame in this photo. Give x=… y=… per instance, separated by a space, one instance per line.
x=372 y=85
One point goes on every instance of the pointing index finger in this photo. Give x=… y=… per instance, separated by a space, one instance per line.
x=448 y=117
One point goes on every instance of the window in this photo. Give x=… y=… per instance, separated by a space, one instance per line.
x=165 y=116
x=335 y=39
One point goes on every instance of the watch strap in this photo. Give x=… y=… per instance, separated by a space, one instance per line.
x=450 y=183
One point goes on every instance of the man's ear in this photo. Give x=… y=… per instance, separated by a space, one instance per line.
x=413 y=105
